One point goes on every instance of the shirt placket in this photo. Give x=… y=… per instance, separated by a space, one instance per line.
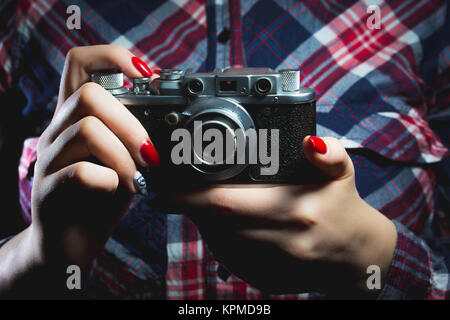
x=224 y=34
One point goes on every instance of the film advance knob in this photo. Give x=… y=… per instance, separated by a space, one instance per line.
x=113 y=82
x=290 y=80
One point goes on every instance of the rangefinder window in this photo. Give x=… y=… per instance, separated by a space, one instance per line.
x=228 y=86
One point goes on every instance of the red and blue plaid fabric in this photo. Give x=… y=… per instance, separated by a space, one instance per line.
x=383 y=92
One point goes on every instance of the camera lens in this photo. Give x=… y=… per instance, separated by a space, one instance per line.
x=213 y=160
x=195 y=86
x=263 y=86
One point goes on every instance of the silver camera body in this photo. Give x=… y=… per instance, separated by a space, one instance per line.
x=231 y=101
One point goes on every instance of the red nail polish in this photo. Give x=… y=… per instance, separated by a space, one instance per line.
x=142 y=67
x=149 y=153
x=317 y=144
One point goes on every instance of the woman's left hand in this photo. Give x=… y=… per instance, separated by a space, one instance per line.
x=292 y=239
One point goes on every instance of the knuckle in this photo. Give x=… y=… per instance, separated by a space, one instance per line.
x=88 y=126
x=45 y=139
x=300 y=247
x=71 y=55
x=305 y=248
x=44 y=157
x=88 y=92
x=79 y=173
x=117 y=50
x=42 y=142
x=306 y=212
x=39 y=168
x=84 y=131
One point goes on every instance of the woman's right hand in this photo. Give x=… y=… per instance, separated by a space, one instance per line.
x=86 y=165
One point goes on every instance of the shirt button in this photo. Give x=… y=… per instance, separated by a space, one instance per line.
x=224 y=35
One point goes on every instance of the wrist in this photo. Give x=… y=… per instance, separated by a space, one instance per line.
x=19 y=262
x=30 y=271
x=33 y=246
x=378 y=246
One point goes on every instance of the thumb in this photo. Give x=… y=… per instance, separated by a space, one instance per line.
x=329 y=156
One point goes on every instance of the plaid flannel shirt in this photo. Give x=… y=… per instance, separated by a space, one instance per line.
x=383 y=92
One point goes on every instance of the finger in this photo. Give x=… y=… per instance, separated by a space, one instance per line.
x=70 y=190
x=263 y=203
x=92 y=100
x=329 y=156
x=81 y=62
x=87 y=175
x=86 y=138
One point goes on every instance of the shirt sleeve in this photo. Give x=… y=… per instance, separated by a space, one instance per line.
x=8 y=42
x=417 y=271
x=26 y=173
x=420 y=267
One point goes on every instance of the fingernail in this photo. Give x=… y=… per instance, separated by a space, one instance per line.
x=140 y=183
x=141 y=66
x=149 y=153
x=318 y=145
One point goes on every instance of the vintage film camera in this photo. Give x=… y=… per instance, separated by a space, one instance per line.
x=257 y=111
